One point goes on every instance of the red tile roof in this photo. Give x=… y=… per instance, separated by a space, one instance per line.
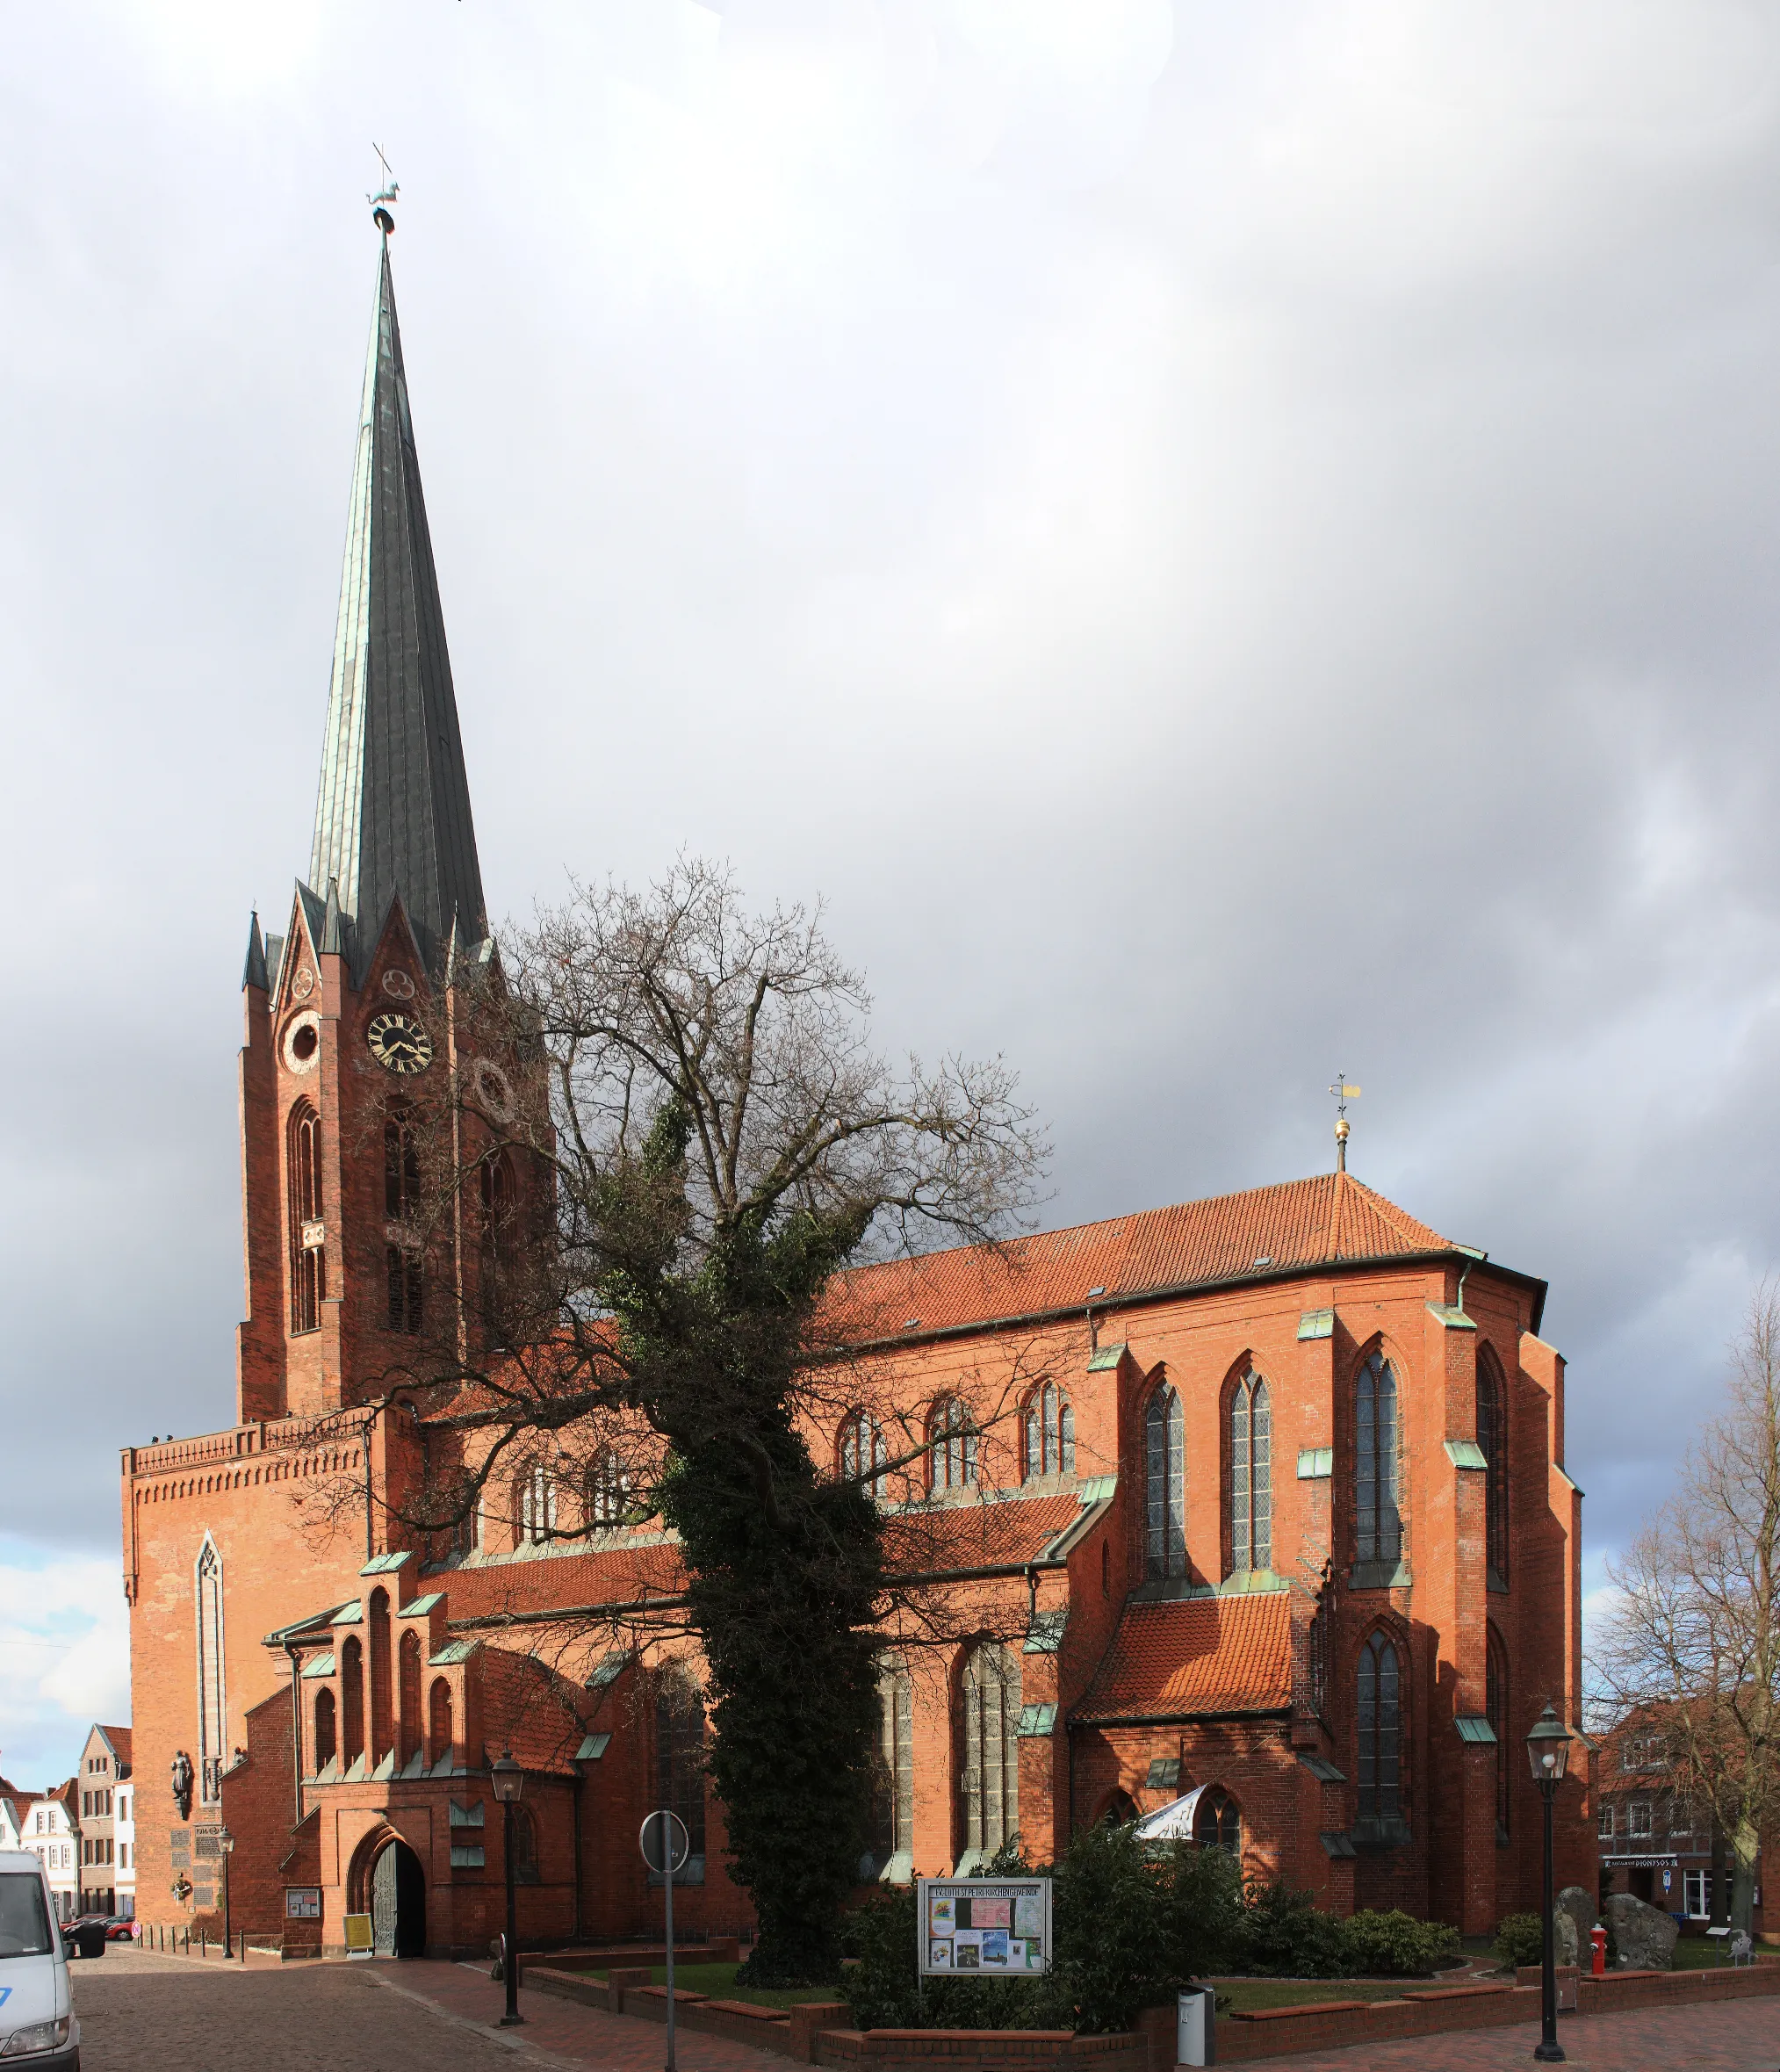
x=1301 y=1225
x=1203 y=1655
x=975 y=1536
x=615 y=1575
x=119 y=1739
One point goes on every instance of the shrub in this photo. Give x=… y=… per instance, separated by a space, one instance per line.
x=1520 y=1938
x=1281 y=1933
x=1396 y=1945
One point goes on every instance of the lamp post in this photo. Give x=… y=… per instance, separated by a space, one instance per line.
x=224 y=1842
x=1548 y=1752
x=509 y=1779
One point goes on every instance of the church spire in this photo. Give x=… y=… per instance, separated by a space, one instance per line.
x=392 y=816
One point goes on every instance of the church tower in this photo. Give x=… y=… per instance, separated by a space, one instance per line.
x=350 y=1014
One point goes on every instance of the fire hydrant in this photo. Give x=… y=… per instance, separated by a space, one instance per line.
x=1597 y=1942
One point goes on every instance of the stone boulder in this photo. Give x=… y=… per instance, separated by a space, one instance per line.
x=1564 y=1937
x=1643 y=1935
x=1577 y=1908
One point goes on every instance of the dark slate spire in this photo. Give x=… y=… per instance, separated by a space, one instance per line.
x=392 y=816
x=254 y=971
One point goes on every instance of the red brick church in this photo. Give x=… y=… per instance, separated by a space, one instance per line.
x=1280 y=1526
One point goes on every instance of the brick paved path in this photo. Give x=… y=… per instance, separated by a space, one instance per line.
x=145 y=2013
x=1743 y=2037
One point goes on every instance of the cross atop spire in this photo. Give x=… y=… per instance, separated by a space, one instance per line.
x=392 y=816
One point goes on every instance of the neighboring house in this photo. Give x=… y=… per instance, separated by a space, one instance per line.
x=1654 y=1841
x=49 y=1827
x=105 y=1875
x=11 y=1815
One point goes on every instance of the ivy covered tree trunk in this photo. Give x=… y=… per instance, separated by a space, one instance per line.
x=783 y=1599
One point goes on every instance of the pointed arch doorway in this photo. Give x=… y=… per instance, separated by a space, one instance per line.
x=398 y=1902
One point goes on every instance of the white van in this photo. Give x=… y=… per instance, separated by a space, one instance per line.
x=38 y=2029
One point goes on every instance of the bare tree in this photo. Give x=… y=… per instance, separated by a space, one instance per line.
x=1694 y=1634
x=693 y=1090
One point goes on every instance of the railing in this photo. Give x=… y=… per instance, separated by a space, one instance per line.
x=244 y=1439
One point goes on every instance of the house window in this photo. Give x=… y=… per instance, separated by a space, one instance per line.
x=1217 y=1821
x=537 y=1506
x=213 y=1715
x=1492 y=1439
x=1251 y=1476
x=1375 y=1463
x=1379 y=1718
x=1637 y=1820
x=608 y=1489
x=862 y=1452
x=989 y=1780
x=1697 y=1894
x=953 y=1447
x=1165 y=1461
x=308 y=1252
x=893 y=1770
x=1050 y=1433
x=679 y=1762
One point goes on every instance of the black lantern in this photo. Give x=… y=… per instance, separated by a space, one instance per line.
x=1548 y=1756
x=508 y=1780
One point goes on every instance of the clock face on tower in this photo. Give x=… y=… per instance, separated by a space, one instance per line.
x=399 y=1043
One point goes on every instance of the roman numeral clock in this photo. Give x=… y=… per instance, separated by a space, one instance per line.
x=399 y=1043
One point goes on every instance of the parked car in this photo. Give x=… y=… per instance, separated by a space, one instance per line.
x=38 y=2025
x=120 y=1928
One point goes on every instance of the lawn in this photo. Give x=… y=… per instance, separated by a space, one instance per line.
x=718 y=1981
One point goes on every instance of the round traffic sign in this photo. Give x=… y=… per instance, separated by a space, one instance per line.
x=665 y=1844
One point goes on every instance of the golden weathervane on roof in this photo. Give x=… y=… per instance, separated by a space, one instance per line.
x=1343 y=1094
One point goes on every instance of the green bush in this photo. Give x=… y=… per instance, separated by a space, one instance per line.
x=1282 y=1933
x=1520 y=1938
x=1396 y=1945
x=1132 y=1924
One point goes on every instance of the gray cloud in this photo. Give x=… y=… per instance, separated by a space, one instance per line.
x=1226 y=547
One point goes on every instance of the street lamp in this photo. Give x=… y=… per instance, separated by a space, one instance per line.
x=1548 y=1752
x=508 y=1780
x=224 y=1842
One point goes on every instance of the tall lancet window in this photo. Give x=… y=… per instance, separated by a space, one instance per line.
x=1050 y=1433
x=308 y=1236
x=1492 y=1439
x=212 y=1698
x=1375 y=1463
x=1164 y=1463
x=1251 y=1476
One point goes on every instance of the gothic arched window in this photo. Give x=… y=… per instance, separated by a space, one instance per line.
x=326 y=1730
x=989 y=1778
x=1217 y=1821
x=308 y=1236
x=402 y=1165
x=411 y=1734
x=439 y=1722
x=1379 y=1713
x=609 y=1489
x=1492 y=1440
x=680 y=1760
x=525 y=1871
x=351 y=1700
x=953 y=1444
x=212 y=1700
x=1381 y=1523
x=862 y=1452
x=1050 y=1433
x=1252 y=1475
x=1165 y=1476
x=1496 y=1711
x=536 y=1506
x=382 y=1695
x=893 y=1772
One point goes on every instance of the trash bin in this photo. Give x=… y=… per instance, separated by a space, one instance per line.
x=1195 y=2032
x=90 y=1935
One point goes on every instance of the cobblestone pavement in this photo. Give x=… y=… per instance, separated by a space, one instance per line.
x=1744 y=2037
x=146 y=2013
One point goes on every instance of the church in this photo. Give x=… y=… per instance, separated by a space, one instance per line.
x=1279 y=1532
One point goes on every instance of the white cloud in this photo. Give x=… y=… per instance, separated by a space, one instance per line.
x=64 y=1659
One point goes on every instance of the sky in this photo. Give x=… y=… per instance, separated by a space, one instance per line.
x=1229 y=544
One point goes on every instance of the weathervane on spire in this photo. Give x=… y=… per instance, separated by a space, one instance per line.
x=388 y=192
x=1343 y=1094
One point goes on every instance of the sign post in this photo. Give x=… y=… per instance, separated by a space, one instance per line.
x=665 y=1846
x=990 y=1927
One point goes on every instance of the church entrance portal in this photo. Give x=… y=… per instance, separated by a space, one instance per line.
x=399 y=1902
